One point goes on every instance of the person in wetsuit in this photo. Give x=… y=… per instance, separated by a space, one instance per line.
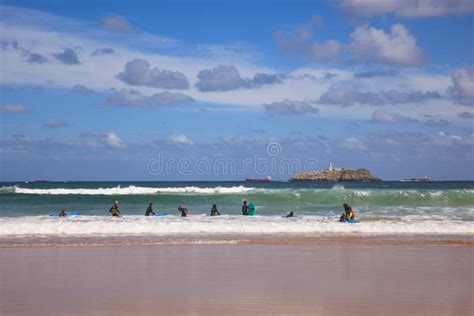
x=149 y=210
x=214 y=210
x=348 y=213
x=115 y=209
x=245 y=208
x=63 y=213
x=291 y=214
x=183 y=210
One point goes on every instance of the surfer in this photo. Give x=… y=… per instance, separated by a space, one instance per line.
x=115 y=209
x=149 y=210
x=214 y=210
x=245 y=208
x=183 y=210
x=348 y=213
x=291 y=214
x=63 y=213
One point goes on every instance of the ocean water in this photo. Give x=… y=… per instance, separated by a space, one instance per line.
x=383 y=208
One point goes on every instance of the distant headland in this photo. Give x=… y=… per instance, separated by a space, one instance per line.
x=336 y=174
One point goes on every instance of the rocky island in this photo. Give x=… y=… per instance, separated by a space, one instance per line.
x=336 y=174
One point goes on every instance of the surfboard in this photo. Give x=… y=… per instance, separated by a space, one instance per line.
x=350 y=221
x=196 y=215
x=162 y=214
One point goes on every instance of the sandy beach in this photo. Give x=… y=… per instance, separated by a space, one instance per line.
x=239 y=279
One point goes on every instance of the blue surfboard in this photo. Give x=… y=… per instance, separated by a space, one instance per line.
x=350 y=221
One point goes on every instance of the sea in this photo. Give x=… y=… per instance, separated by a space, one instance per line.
x=396 y=209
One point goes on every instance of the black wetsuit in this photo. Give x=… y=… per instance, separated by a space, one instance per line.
x=62 y=213
x=184 y=211
x=290 y=215
x=149 y=211
x=245 y=209
x=214 y=211
x=115 y=211
x=348 y=214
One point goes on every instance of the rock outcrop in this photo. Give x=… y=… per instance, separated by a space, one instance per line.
x=336 y=175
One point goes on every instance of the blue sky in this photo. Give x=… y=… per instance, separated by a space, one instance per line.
x=95 y=90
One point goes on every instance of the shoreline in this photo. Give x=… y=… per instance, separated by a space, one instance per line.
x=150 y=241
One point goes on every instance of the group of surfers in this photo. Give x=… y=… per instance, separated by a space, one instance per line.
x=247 y=210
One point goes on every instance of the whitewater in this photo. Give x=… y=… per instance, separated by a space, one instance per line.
x=385 y=208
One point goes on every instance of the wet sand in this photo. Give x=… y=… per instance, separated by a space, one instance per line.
x=239 y=279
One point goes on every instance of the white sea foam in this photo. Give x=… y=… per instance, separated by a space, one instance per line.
x=212 y=226
x=136 y=190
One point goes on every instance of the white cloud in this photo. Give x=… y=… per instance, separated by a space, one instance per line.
x=398 y=48
x=113 y=140
x=407 y=8
x=290 y=107
x=138 y=73
x=180 y=139
x=127 y=97
x=462 y=89
x=169 y=98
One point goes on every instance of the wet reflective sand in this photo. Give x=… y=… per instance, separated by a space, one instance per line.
x=243 y=279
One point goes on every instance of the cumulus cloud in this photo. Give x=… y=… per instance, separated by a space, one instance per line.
x=299 y=42
x=289 y=107
x=103 y=51
x=390 y=117
x=466 y=115
x=82 y=89
x=34 y=58
x=226 y=78
x=398 y=48
x=367 y=45
x=346 y=94
x=13 y=108
x=394 y=96
x=289 y=41
x=68 y=57
x=407 y=8
x=169 y=98
x=126 y=97
x=221 y=78
x=30 y=57
x=180 y=139
x=114 y=141
x=138 y=73
x=116 y=23
x=462 y=90
x=51 y=123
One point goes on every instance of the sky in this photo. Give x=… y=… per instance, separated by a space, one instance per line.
x=224 y=90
